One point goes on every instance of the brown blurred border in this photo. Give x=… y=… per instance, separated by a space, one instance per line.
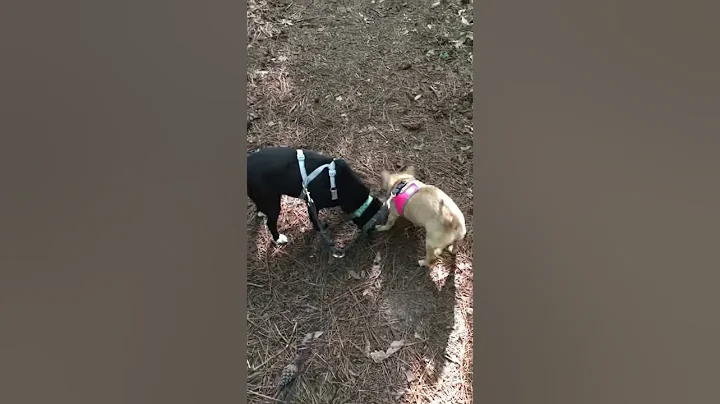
x=597 y=194
x=122 y=258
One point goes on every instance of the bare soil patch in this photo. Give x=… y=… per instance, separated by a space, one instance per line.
x=384 y=85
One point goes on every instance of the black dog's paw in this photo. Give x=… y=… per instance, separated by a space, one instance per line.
x=282 y=240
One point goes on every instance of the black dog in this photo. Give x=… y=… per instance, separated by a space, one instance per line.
x=274 y=171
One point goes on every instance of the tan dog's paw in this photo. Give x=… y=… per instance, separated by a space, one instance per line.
x=422 y=263
x=450 y=248
x=382 y=227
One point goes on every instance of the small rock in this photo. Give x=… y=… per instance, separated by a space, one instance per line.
x=405 y=66
x=412 y=126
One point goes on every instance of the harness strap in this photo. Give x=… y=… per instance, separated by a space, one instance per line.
x=402 y=193
x=307 y=179
x=333 y=188
x=301 y=163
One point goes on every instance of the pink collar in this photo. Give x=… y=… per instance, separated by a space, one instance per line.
x=402 y=196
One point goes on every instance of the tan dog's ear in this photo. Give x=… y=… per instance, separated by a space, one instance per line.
x=385 y=179
x=410 y=170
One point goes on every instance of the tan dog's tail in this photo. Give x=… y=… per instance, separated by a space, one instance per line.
x=451 y=221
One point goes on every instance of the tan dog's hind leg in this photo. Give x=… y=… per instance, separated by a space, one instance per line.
x=392 y=217
x=431 y=254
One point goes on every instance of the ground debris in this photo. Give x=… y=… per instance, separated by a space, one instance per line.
x=301 y=56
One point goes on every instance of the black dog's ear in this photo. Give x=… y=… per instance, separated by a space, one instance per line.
x=341 y=164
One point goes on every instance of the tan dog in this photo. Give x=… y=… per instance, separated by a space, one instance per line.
x=426 y=206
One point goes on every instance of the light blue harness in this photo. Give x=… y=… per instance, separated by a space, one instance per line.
x=307 y=179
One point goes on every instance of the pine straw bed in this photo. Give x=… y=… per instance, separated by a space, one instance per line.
x=344 y=79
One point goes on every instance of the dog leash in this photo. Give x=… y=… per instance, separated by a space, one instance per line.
x=364 y=231
x=336 y=252
x=306 y=179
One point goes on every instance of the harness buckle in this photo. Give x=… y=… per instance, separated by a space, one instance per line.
x=398 y=188
x=300 y=155
x=305 y=194
x=333 y=193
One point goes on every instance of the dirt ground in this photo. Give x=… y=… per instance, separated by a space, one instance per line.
x=382 y=84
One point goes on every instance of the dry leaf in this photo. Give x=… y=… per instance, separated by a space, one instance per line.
x=464 y=148
x=378 y=356
x=395 y=346
x=354 y=274
x=399 y=393
x=410 y=376
x=312 y=335
x=417 y=97
x=458 y=43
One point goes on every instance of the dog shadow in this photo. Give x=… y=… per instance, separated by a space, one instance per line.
x=420 y=301
x=376 y=294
